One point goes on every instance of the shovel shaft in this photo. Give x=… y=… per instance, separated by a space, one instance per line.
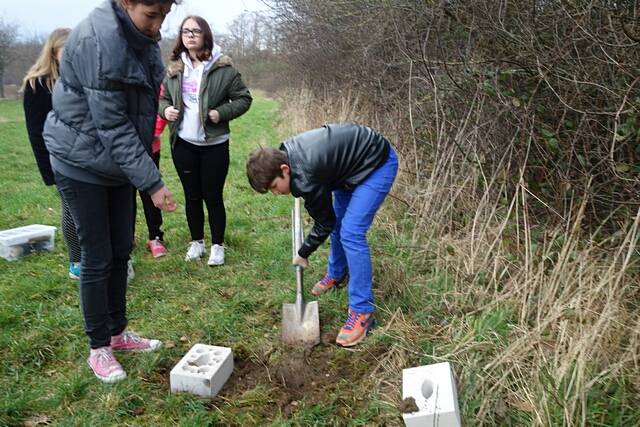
x=297 y=243
x=300 y=321
x=299 y=294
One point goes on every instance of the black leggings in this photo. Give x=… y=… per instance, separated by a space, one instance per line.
x=203 y=171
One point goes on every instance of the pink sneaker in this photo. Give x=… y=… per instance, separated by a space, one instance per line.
x=130 y=341
x=157 y=247
x=105 y=366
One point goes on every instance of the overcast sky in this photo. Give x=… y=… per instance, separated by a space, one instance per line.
x=42 y=16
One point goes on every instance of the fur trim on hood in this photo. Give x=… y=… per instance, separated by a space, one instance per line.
x=177 y=66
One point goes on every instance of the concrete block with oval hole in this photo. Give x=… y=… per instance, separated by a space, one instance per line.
x=434 y=390
x=203 y=370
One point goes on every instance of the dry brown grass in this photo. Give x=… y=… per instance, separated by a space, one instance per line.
x=571 y=298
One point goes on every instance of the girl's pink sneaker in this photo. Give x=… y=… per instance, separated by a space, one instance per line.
x=130 y=341
x=105 y=366
x=157 y=247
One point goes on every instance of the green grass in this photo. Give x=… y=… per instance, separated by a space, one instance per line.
x=43 y=348
x=424 y=316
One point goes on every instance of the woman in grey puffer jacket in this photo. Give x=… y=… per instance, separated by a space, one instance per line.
x=99 y=135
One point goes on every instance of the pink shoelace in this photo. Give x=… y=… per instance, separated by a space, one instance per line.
x=127 y=336
x=105 y=358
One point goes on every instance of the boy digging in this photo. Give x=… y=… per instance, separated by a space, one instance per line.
x=357 y=166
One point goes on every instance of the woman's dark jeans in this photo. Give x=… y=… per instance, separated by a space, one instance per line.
x=103 y=220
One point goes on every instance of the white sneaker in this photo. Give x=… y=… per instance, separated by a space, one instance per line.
x=217 y=255
x=196 y=250
x=130 y=273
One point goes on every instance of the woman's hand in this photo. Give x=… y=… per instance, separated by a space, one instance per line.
x=302 y=262
x=163 y=199
x=171 y=113
x=214 y=116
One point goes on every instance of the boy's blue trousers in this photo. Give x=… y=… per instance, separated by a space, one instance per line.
x=349 y=251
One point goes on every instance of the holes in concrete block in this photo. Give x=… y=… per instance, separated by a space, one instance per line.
x=427 y=388
x=201 y=360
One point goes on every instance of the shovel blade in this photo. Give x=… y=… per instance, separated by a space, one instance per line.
x=301 y=324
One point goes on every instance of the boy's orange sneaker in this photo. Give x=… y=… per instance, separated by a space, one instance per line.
x=327 y=283
x=355 y=328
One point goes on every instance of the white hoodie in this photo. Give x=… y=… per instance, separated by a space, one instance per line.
x=191 y=129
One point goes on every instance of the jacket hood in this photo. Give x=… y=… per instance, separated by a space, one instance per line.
x=117 y=60
x=176 y=67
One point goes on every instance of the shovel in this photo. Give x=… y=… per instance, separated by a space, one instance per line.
x=300 y=321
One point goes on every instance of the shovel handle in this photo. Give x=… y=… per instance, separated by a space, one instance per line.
x=297 y=238
x=297 y=226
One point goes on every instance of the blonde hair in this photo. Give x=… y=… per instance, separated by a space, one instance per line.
x=45 y=68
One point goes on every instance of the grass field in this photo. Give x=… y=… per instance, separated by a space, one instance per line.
x=510 y=368
x=44 y=377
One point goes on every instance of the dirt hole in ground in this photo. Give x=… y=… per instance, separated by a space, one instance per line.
x=311 y=375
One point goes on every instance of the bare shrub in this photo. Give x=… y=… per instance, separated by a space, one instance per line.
x=518 y=132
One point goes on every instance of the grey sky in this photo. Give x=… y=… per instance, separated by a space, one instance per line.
x=42 y=16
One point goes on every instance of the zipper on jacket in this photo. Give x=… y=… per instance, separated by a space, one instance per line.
x=203 y=79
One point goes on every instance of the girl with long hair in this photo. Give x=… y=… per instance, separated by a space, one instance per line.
x=36 y=87
x=203 y=92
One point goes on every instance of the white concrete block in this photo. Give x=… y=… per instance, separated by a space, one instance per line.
x=434 y=390
x=203 y=370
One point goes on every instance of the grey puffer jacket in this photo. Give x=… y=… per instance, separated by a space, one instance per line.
x=105 y=104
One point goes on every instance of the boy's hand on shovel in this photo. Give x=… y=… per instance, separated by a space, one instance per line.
x=302 y=262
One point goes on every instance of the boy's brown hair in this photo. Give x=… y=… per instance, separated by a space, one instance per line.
x=263 y=166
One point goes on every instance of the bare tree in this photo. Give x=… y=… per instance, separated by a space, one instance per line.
x=7 y=41
x=251 y=34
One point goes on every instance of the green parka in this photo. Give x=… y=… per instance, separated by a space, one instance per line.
x=221 y=89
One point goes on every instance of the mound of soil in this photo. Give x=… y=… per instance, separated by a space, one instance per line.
x=294 y=373
x=408 y=406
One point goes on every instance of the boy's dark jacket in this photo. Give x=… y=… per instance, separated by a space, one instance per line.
x=333 y=157
x=105 y=103
x=37 y=104
x=222 y=89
